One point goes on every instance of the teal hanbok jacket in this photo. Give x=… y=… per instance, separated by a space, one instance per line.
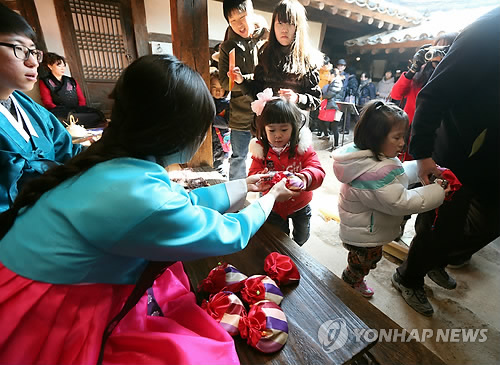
x=21 y=160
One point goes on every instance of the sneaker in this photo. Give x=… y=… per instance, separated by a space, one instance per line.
x=415 y=298
x=365 y=291
x=332 y=148
x=441 y=278
x=319 y=133
x=326 y=137
x=459 y=265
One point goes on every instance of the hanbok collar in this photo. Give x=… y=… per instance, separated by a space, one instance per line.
x=21 y=116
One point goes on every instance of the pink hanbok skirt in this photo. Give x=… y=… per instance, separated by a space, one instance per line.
x=45 y=323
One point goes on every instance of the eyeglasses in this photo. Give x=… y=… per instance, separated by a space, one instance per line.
x=23 y=52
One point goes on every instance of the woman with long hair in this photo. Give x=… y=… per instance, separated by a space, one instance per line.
x=83 y=242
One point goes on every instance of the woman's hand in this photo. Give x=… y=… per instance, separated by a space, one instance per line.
x=426 y=168
x=235 y=73
x=281 y=193
x=258 y=183
x=289 y=95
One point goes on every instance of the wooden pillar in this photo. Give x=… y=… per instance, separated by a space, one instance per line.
x=189 y=20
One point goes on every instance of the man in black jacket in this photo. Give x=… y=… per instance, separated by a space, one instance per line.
x=460 y=133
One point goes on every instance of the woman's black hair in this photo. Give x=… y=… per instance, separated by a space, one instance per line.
x=376 y=121
x=160 y=107
x=12 y=22
x=50 y=58
x=278 y=111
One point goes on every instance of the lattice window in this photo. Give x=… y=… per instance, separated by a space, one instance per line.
x=100 y=38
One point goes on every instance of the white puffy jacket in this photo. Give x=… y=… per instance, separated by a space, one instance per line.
x=374 y=196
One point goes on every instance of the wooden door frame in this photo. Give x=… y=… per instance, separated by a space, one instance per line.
x=136 y=25
x=27 y=9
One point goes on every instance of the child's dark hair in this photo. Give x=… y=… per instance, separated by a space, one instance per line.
x=51 y=58
x=236 y=5
x=12 y=22
x=376 y=121
x=278 y=111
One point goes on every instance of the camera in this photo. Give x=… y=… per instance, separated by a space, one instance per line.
x=436 y=51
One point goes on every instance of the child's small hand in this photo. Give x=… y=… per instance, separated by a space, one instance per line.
x=304 y=180
x=236 y=74
x=289 y=95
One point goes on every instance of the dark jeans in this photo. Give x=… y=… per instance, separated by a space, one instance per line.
x=301 y=220
x=314 y=122
x=464 y=225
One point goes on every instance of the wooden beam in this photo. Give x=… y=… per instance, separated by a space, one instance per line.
x=140 y=29
x=369 y=20
x=189 y=20
x=397 y=250
x=401 y=46
x=358 y=17
x=322 y=36
x=317 y=4
x=332 y=9
x=389 y=26
x=29 y=12
x=380 y=24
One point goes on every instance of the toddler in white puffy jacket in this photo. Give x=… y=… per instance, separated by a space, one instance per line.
x=374 y=196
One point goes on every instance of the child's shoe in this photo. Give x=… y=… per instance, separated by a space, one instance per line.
x=365 y=290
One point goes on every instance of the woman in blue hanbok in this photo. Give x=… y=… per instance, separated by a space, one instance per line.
x=31 y=138
x=109 y=224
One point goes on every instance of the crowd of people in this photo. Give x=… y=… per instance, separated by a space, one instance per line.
x=85 y=232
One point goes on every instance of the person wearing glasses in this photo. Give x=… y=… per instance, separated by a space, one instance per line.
x=31 y=138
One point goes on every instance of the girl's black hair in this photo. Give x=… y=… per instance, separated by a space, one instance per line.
x=299 y=57
x=278 y=111
x=376 y=121
x=12 y=22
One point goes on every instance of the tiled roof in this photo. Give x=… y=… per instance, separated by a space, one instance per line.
x=441 y=23
x=383 y=7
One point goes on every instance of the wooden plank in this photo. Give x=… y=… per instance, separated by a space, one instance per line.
x=384 y=352
x=307 y=305
x=189 y=20
x=398 y=250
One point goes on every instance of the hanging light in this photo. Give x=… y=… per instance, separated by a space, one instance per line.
x=358 y=58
